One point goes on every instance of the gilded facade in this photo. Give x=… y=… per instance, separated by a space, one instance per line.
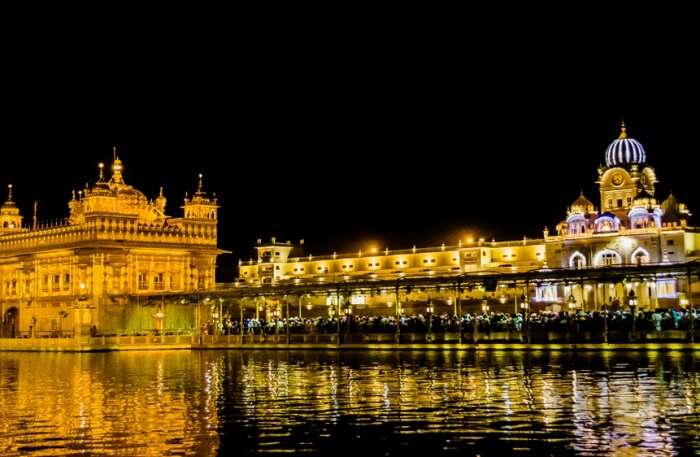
x=87 y=272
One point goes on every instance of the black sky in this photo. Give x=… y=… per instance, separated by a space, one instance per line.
x=392 y=140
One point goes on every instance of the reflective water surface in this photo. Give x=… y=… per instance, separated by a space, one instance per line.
x=362 y=403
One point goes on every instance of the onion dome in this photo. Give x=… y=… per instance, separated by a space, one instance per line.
x=625 y=151
x=582 y=205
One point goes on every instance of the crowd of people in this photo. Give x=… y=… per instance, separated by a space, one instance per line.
x=539 y=321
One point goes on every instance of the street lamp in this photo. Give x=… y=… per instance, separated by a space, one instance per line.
x=160 y=315
x=632 y=301
x=215 y=316
x=275 y=316
x=430 y=309
x=524 y=306
x=348 y=318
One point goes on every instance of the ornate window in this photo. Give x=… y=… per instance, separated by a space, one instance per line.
x=158 y=281
x=143 y=281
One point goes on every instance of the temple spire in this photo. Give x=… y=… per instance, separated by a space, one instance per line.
x=200 y=187
x=623 y=130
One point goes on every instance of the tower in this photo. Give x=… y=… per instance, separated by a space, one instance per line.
x=200 y=207
x=10 y=218
x=624 y=175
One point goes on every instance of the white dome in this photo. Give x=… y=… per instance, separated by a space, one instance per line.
x=624 y=151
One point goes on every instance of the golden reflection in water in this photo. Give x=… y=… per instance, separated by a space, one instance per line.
x=204 y=403
x=126 y=404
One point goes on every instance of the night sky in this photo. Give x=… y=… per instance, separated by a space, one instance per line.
x=344 y=146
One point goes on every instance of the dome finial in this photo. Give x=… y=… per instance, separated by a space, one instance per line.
x=101 y=167
x=623 y=130
x=9 y=192
x=117 y=167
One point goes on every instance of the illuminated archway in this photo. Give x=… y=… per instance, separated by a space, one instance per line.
x=640 y=256
x=607 y=257
x=577 y=260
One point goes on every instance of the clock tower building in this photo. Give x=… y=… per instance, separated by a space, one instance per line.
x=624 y=176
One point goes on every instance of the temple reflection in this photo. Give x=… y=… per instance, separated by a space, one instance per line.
x=209 y=403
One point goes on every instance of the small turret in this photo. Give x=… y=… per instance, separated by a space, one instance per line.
x=10 y=218
x=200 y=206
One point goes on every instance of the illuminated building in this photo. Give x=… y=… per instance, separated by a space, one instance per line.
x=91 y=268
x=631 y=228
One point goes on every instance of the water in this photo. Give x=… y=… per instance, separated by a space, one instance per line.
x=359 y=403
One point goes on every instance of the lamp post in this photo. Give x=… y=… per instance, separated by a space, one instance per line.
x=572 y=310
x=215 y=315
x=690 y=307
x=286 y=318
x=159 y=315
x=348 y=318
x=605 y=318
x=459 y=310
x=79 y=317
x=221 y=315
x=258 y=308
x=430 y=309
x=524 y=306
x=275 y=316
x=240 y=324
x=632 y=301
x=399 y=311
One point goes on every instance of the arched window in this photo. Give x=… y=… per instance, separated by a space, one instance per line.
x=577 y=260
x=607 y=257
x=640 y=256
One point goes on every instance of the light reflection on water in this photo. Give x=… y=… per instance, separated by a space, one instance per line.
x=372 y=403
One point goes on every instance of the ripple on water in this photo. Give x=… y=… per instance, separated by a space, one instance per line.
x=369 y=403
